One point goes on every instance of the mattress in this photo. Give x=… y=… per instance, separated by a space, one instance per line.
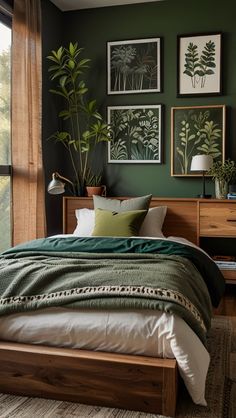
x=149 y=333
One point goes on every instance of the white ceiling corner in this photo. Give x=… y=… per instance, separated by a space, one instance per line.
x=66 y=5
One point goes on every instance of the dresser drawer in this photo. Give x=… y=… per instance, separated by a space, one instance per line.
x=217 y=220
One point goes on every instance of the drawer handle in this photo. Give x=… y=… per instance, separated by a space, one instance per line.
x=231 y=220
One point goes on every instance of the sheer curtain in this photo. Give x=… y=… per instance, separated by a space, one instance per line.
x=28 y=182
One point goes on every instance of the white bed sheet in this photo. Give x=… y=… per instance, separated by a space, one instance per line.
x=148 y=333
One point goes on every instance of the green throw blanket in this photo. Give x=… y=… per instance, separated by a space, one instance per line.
x=111 y=273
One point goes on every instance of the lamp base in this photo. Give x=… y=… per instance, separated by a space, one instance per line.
x=204 y=196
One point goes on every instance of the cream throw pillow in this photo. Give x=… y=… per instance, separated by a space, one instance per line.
x=153 y=222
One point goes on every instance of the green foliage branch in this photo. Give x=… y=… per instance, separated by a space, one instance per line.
x=225 y=171
x=198 y=68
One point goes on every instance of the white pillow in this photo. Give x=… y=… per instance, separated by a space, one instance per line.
x=151 y=227
x=152 y=224
x=85 y=222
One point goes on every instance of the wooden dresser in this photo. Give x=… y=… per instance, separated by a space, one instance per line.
x=217 y=220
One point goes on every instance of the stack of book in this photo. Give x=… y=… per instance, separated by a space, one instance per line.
x=226 y=265
x=225 y=262
x=232 y=191
x=231 y=195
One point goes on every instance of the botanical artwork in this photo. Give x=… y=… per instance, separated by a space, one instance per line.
x=196 y=130
x=133 y=66
x=136 y=134
x=199 y=64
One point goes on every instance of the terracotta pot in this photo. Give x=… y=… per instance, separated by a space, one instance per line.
x=97 y=190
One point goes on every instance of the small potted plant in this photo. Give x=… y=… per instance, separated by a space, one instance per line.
x=224 y=173
x=93 y=184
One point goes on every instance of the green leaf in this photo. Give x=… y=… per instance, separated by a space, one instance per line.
x=83 y=62
x=59 y=93
x=91 y=105
x=86 y=134
x=82 y=91
x=51 y=58
x=59 y=52
x=97 y=115
x=71 y=64
x=58 y=74
x=62 y=81
x=65 y=114
x=72 y=48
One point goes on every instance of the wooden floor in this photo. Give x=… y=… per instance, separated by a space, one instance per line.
x=228 y=303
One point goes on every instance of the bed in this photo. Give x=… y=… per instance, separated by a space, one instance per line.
x=141 y=382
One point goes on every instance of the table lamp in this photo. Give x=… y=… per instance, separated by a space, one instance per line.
x=202 y=163
x=56 y=186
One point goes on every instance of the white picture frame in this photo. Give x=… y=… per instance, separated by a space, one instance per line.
x=136 y=134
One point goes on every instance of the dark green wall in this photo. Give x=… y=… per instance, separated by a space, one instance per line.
x=92 y=29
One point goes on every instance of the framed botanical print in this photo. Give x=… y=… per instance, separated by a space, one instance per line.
x=136 y=134
x=196 y=130
x=134 y=66
x=199 y=65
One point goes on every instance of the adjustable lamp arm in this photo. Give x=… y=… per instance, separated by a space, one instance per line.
x=57 y=175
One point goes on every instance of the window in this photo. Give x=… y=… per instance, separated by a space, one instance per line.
x=5 y=133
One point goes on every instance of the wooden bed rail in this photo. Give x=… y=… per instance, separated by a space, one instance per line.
x=114 y=380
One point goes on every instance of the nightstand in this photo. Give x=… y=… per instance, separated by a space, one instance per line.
x=217 y=222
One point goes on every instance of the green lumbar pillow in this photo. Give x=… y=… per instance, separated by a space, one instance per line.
x=118 y=224
x=119 y=205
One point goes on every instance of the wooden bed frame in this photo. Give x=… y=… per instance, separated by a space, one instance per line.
x=116 y=380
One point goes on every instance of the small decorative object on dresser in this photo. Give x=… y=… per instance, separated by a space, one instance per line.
x=202 y=163
x=93 y=184
x=223 y=174
x=232 y=192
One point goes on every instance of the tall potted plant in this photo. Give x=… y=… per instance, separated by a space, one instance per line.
x=224 y=174
x=85 y=125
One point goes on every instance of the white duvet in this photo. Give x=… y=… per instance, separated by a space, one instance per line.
x=148 y=333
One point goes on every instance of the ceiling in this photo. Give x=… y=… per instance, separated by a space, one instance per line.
x=88 y=4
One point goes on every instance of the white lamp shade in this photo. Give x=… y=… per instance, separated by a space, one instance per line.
x=201 y=163
x=56 y=186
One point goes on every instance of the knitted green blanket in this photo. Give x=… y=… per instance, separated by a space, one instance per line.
x=118 y=273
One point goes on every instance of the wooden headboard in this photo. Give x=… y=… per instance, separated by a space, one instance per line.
x=181 y=220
